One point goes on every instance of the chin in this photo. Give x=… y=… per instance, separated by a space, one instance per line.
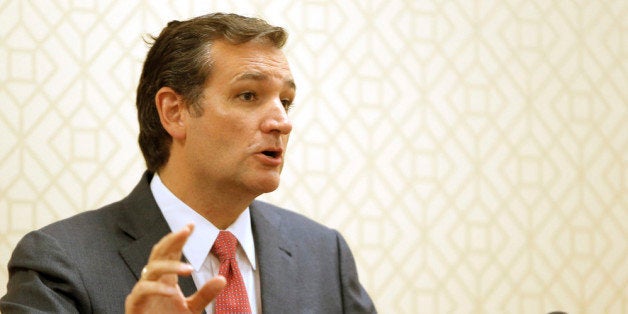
x=267 y=186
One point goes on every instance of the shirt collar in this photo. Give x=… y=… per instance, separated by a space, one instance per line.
x=178 y=215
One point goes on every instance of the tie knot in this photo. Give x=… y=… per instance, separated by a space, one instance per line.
x=225 y=246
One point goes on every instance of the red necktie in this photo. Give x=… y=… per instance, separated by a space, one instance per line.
x=233 y=299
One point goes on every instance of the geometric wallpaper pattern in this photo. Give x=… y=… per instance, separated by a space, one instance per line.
x=473 y=153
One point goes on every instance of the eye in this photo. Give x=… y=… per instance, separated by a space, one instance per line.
x=287 y=103
x=247 y=96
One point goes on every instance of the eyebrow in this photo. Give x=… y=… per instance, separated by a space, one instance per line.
x=257 y=76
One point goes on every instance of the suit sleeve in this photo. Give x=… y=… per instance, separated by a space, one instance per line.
x=354 y=298
x=43 y=278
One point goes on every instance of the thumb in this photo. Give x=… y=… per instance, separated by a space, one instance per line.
x=208 y=292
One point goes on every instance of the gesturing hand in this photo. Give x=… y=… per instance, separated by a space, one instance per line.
x=158 y=290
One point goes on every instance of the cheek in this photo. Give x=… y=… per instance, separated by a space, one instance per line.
x=224 y=130
x=227 y=135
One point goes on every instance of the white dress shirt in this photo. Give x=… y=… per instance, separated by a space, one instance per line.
x=197 y=248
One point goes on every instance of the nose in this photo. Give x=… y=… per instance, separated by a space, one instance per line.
x=276 y=119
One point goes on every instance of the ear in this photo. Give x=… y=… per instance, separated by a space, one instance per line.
x=172 y=111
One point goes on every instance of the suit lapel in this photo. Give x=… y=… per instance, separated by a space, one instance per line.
x=143 y=222
x=276 y=265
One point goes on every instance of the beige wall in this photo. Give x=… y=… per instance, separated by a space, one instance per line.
x=473 y=153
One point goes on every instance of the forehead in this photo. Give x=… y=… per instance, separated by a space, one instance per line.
x=255 y=60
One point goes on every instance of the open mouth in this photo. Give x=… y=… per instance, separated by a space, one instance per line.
x=271 y=153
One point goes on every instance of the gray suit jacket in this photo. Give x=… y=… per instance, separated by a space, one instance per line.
x=90 y=262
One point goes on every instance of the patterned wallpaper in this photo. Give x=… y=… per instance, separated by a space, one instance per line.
x=473 y=153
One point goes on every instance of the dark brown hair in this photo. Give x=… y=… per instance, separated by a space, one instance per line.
x=179 y=58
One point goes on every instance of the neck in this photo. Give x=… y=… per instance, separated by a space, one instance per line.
x=218 y=205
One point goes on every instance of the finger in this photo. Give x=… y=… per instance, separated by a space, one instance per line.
x=209 y=291
x=142 y=293
x=171 y=246
x=155 y=269
x=142 y=290
x=146 y=288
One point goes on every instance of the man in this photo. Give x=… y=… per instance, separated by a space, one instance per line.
x=212 y=104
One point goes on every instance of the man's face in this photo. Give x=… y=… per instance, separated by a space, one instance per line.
x=238 y=143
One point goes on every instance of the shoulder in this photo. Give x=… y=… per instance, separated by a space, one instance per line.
x=72 y=238
x=61 y=265
x=285 y=218
x=294 y=228
x=132 y=212
x=84 y=224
